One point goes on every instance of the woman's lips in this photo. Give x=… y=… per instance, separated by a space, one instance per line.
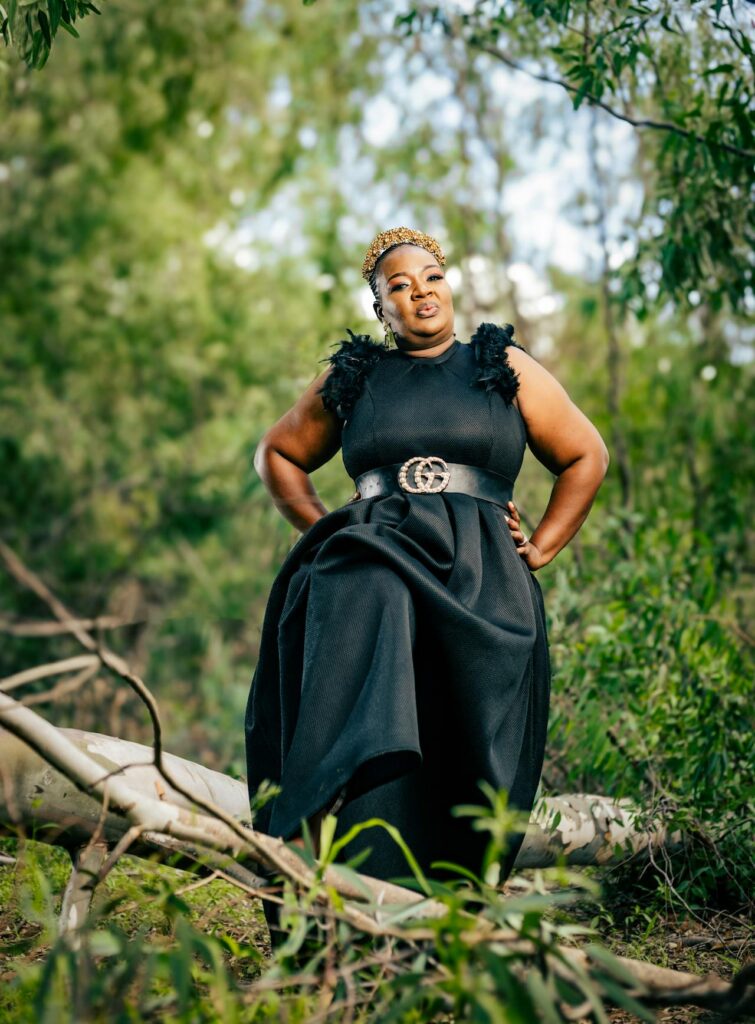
x=427 y=310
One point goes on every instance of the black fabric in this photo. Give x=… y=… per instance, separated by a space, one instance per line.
x=404 y=647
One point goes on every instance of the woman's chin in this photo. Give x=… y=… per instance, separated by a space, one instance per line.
x=430 y=327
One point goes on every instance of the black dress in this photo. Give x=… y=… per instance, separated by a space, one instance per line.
x=404 y=648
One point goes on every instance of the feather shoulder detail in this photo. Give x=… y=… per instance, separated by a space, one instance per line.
x=351 y=363
x=489 y=343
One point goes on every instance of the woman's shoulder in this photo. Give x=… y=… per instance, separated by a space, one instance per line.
x=490 y=345
x=350 y=364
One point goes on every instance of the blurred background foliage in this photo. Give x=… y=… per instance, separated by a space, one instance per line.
x=186 y=193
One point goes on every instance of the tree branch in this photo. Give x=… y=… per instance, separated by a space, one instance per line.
x=664 y=126
x=53 y=668
x=44 y=629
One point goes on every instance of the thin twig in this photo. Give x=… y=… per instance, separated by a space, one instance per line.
x=121 y=847
x=200 y=883
x=27 y=578
x=53 y=668
x=63 y=689
x=45 y=629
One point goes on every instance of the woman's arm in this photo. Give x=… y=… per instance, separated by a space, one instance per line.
x=566 y=442
x=302 y=440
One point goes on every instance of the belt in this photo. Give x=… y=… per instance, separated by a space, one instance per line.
x=429 y=474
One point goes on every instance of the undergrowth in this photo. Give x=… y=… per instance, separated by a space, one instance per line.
x=165 y=947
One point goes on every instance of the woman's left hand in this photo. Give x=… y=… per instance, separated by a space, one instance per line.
x=531 y=554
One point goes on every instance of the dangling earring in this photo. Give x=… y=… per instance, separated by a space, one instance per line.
x=390 y=337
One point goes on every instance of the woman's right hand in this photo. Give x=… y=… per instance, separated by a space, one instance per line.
x=532 y=555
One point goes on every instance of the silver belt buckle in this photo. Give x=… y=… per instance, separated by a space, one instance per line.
x=424 y=474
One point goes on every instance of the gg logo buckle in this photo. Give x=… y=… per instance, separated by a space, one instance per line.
x=429 y=475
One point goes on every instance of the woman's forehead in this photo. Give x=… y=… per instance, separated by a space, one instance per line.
x=406 y=258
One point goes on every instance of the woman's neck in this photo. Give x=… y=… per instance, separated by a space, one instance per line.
x=425 y=351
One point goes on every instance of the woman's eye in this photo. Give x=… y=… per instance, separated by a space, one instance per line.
x=432 y=277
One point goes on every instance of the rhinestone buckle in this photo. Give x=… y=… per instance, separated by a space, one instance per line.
x=429 y=475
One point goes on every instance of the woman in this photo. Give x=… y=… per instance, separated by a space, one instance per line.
x=404 y=653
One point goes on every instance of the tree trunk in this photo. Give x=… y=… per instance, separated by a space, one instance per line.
x=581 y=829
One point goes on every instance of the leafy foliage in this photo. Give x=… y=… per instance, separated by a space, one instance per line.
x=31 y=25
x=656 y=700
x=649 y=613
x=683 y=74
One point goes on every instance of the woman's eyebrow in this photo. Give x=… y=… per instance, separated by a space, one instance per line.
x=400 y=272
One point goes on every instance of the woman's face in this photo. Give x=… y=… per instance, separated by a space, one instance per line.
x=415 y=299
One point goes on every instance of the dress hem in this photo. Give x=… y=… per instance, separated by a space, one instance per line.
x=362 y=786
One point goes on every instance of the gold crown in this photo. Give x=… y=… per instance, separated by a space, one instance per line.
x=394 y=236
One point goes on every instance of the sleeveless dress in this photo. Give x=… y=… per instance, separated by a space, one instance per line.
x=403 y=650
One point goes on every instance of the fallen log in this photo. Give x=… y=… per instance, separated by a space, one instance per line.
x=575 y=829
x=224 y=837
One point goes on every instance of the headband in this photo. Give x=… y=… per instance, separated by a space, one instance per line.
x=395 y=236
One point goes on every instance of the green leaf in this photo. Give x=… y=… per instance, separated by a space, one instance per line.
x=622 y=998
x=395 y=835
x=448 y=865
x=744 y=125
x=44 y=24
x=53 y=10
x=327 y=835
x=37 y=40
x=542 y=998
x=352 y=877
x=105 y=944
x=610 y=963
x=588 y=989
x=580 y=94
x=43 y=58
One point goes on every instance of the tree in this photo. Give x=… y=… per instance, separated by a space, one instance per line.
x=682 y=75
x=144 y=345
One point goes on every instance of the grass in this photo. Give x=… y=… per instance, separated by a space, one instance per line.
x=132 y=900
